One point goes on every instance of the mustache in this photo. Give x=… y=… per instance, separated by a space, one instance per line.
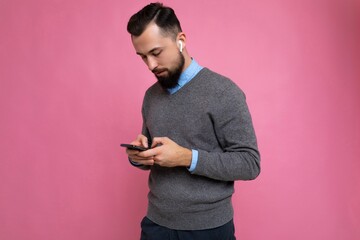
x=156 y=70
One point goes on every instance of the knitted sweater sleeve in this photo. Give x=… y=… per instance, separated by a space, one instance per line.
x=146 y=133
x=232 y=123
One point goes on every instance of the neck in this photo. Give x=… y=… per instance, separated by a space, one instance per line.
x=187 y=60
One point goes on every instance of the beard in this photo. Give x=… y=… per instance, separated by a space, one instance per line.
x=172 y=79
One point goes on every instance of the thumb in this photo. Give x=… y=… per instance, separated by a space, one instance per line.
x=142 y=140
x=157 y=141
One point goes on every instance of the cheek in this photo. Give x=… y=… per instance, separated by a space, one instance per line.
x=173 y=60
x=169 y=58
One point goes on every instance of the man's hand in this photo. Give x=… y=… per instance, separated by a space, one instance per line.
x=166 y=153
x=141 y=140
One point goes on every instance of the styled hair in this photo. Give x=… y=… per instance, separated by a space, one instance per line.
x=164 y=17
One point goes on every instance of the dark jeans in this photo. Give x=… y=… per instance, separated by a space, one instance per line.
x=152 y=231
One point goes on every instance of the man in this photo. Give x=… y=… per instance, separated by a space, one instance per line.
x=199 y=132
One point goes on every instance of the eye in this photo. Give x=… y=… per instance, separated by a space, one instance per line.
x=157 y=53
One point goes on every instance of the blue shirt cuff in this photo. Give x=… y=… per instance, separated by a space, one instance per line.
x=194 y=160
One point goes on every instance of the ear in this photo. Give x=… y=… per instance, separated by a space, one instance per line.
x=181 y=40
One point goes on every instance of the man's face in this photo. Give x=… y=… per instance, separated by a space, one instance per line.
x=161 y=54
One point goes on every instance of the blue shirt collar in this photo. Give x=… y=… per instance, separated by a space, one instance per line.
x=186 y=76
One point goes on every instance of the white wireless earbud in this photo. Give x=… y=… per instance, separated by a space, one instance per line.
x=180 y=46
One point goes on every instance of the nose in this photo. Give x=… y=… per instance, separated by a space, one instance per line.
x=151 y=63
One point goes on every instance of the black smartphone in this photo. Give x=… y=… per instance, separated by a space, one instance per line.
x=133 y=147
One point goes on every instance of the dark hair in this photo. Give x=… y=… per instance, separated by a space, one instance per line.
x=164 y=17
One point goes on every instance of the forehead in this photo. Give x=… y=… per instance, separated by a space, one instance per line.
x=151 y=38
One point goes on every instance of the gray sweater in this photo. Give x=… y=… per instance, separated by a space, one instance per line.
x=208 y=114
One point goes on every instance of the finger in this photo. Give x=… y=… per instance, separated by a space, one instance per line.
x=141 y=140
x=144 y=142
x=148 y=162
x=131 y=152
x=148 y=153
x=159 y=141
x=142 y=160
x=139 y=155
x=139 y=159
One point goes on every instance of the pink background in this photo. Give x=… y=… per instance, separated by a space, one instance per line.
x=71 y=89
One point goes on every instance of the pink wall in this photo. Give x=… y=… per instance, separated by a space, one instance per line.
x=71 y=89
